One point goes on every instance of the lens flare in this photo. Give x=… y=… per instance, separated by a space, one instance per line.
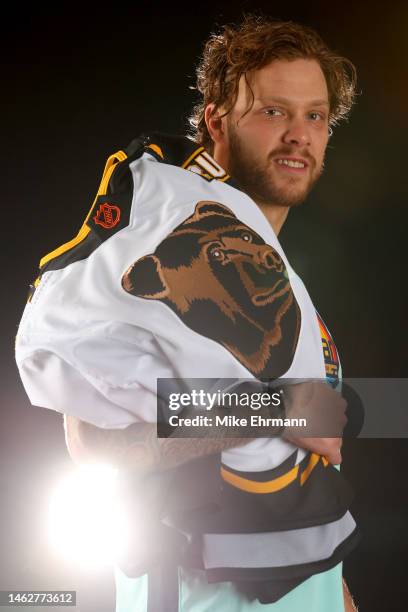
x=87 y=524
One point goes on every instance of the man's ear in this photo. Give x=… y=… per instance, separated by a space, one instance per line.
x=214 y=123
x=145 y=279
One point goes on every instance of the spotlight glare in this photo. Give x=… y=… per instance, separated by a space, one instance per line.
x=87 y=524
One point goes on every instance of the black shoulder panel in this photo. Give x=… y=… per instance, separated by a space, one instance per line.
x=110 y=211
x=109 y=214
x=166 y=148
x=182 y=152
x=175 y=149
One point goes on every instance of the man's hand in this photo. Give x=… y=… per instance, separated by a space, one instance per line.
x=324 y=409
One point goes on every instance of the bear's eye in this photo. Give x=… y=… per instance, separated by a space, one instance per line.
x=246 y=236
x=216 y=253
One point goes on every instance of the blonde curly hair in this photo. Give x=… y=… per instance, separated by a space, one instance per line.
x=251 y=45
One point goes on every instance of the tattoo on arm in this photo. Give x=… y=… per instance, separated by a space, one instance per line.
x=138 y=447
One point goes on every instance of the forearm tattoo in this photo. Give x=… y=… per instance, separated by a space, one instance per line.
x=138 y=446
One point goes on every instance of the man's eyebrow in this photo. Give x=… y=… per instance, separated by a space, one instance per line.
x=281 y=100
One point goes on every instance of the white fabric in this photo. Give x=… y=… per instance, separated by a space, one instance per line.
x=87 y=348
x=276 y=548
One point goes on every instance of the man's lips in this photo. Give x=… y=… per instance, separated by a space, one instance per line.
x=297 y=165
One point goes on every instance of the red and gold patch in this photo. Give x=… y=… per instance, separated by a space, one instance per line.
x=107 y=215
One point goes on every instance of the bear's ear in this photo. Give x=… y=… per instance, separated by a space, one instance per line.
x=144 y=279
x=207 y=209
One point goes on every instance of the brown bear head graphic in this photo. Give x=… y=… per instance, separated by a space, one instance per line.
x=224 y=282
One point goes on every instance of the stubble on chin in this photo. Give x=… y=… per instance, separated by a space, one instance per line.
x=257 y=179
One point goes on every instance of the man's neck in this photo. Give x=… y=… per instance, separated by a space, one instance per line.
x=276 y=215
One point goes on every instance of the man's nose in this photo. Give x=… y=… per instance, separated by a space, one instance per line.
x=297 y=133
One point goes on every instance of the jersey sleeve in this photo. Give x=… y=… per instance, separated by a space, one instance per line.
x=76 y=349
x=92 y=374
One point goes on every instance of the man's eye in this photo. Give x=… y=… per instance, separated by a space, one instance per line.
x=273 y=112
x=316 y=116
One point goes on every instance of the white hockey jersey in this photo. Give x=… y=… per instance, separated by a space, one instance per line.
x=92 y=345
x=176 y=273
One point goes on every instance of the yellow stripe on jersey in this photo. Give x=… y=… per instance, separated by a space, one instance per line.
x=110 y=166
x=192 y=156
x=156 y=149
x=33 y=287
x=313 y=461
x=276 y=484
x=253 y=486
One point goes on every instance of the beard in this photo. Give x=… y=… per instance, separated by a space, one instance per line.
x=256 y=178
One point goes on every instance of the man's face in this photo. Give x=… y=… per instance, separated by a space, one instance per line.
x=276 y=150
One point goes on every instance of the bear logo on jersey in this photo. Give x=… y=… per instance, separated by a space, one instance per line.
x=224 y=282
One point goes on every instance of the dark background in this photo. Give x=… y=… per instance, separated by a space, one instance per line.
x=78 y=83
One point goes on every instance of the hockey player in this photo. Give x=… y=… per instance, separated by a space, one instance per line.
x=177 y=271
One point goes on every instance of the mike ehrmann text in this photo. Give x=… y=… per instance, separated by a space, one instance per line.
x=255 y=420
